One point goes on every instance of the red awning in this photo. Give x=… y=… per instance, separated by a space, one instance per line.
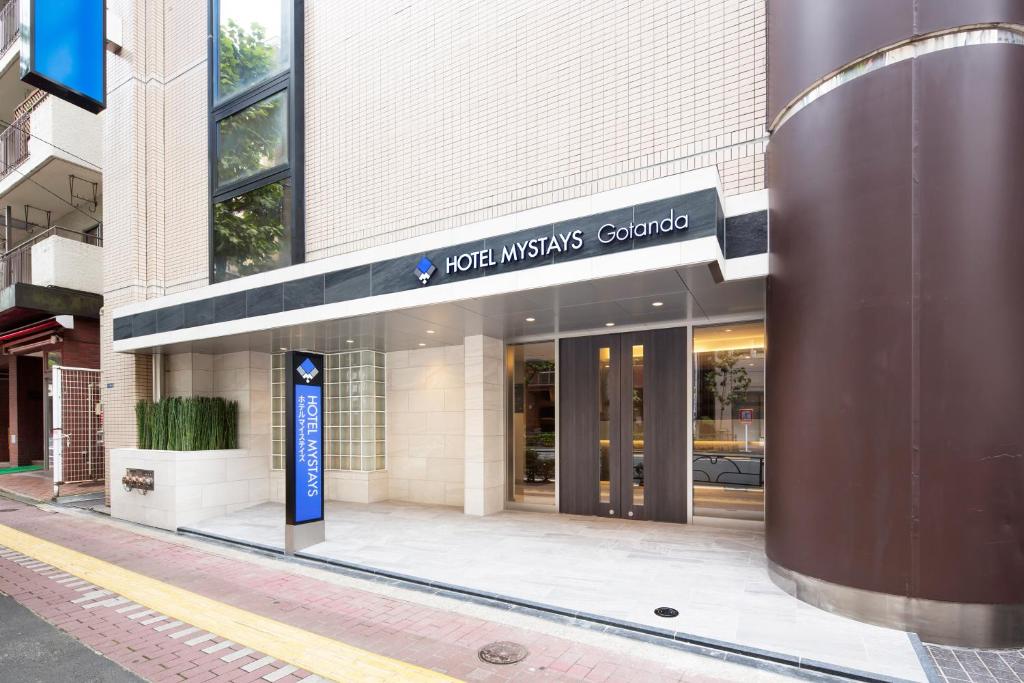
x=38 y=332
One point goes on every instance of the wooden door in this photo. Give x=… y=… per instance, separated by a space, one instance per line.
x=623 y=425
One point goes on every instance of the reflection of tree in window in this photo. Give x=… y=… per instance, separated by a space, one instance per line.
x=249 y=232
x=244 y=57
x=726 y=382
x=252 y=140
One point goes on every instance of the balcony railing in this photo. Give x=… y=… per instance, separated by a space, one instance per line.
x=14 y=144
x=16 y=264
x=10 y=23
x=14 y=139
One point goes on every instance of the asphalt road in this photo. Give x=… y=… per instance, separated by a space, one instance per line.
x=33 y=651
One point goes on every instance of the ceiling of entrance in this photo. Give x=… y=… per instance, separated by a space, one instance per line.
x=675 y=296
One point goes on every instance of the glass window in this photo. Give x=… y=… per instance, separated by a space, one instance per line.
x=253 y=43
x=253 y=140
x=728 y=429
x=251 y=232
x=604 y=424
x=638 y=424
x=532 y=435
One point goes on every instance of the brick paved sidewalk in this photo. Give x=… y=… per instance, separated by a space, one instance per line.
x=38 y=485
x=159 y=649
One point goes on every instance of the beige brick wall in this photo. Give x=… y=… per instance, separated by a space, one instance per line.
x=426 y=115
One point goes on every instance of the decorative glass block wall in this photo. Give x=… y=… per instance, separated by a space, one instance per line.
x=354 y=417
x=355 y=411
x=277 y=410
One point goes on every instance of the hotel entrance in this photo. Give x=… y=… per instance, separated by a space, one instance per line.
x=620 y=443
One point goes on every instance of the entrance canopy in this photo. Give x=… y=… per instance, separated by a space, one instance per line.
x=674 y=296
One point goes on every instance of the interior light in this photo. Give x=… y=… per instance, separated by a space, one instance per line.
x=430 y=332
x=656 y=304
x=531 y=320
x=609 y=324
x=728 y=330
x=422 y=344
x=350 y=341
x=284 y=348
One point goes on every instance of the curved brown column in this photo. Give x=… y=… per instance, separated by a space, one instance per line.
x=895 y=320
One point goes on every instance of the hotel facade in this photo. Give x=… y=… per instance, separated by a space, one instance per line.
x=715 y=262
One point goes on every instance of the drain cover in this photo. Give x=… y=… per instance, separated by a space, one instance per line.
x=8 y=509
x=667 y=612
x=503 y=652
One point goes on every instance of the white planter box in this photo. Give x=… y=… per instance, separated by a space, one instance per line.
x=189 y=486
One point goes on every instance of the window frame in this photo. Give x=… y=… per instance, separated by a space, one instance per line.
x=290 y=82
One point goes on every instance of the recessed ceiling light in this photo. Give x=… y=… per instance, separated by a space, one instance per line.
x=284 y=348
x=350 y=341
x=728 y=330
x=656 y=304
x=531 y=320
x=430 y=332
x=609 y=324
x=422 y=344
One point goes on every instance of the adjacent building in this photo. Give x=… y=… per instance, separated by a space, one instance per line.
x=51 y=192
x=532 y=242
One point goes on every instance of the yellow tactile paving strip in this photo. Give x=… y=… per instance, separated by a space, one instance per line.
x=317 y=654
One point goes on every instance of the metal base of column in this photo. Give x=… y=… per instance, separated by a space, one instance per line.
x=945 y=623
x=300 y=536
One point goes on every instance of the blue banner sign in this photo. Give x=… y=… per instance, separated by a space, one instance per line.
x=304 y=468
x=63 y=50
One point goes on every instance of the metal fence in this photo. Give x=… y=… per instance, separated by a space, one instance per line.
x=78 y=453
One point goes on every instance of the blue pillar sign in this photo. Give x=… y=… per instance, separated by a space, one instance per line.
x=304 y=467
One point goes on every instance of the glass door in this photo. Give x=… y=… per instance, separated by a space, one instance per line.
x=728 y=421
x=620 y=418
x=531 y=468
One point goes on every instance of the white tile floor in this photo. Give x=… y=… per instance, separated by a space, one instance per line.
x=714 y=576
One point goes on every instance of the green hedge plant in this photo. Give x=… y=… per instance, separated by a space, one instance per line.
x=187 y=424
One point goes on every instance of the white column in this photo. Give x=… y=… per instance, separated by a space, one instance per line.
x=485 y=426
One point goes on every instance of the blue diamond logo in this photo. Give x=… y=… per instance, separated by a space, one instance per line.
x=424 y=269
x=307 y=370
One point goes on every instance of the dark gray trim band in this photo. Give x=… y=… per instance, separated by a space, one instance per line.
x=740 y=236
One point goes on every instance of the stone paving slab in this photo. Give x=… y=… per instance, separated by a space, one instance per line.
x=716 y=576
x=434 y=638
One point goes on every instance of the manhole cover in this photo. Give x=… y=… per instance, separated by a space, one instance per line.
x=503 y=652
x=667 y=612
